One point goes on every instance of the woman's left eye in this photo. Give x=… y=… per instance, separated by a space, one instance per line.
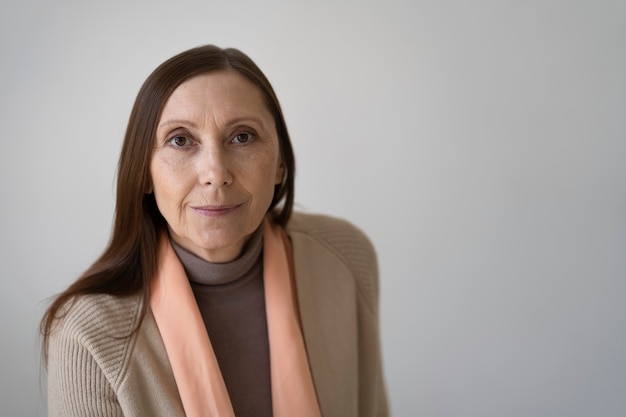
x=243 y=137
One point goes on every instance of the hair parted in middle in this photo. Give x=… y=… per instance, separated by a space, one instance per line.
x=130 y=259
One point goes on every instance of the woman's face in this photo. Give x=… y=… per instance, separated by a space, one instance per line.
x=215 y=163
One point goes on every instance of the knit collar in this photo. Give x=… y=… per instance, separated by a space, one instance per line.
x=203 y=272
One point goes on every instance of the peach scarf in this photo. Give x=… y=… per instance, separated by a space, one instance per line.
x=198 y=377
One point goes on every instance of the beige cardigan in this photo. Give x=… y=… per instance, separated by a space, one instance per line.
x=93 y=370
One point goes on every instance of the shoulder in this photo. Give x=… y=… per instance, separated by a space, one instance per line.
x=349 y=244
x=99 y=326
x=100 y=314
x=331 y=231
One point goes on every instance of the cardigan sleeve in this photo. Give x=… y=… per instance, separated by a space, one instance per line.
x=351 y=248
x=77 y=386
x=364 y=264
x=88 y=355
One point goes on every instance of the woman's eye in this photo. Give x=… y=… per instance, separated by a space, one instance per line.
x=243 y=137
x=179 y=141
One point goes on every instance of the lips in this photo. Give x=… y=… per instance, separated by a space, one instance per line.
x=216 y=210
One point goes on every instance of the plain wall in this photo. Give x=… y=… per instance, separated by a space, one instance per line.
x=480 y=144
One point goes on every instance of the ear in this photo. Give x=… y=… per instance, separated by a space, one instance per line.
x=149 y=188
x=280 y=172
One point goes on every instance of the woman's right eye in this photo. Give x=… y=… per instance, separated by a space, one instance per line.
x=179 y=141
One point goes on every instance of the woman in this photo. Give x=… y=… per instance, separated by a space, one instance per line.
x=212 y=297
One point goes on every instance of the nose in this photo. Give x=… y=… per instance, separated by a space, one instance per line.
x=214 y=168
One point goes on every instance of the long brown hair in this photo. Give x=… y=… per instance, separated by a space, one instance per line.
x=130 y=259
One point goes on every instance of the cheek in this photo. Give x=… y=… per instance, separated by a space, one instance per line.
x=166 y=189
x=258 y=181
x=273 y=174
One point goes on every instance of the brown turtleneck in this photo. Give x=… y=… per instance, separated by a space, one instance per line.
x=231 y=300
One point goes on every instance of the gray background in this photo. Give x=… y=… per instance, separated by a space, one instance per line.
x=480 y=144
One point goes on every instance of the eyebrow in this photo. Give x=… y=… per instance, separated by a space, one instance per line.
x=234 y=121
x=176 y=122
x=243 y=119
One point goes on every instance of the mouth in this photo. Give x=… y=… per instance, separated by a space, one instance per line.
x=216 y=210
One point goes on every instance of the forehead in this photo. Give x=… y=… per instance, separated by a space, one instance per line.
x=220 y=92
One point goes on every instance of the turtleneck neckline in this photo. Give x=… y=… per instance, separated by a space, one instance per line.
x=203 y=272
